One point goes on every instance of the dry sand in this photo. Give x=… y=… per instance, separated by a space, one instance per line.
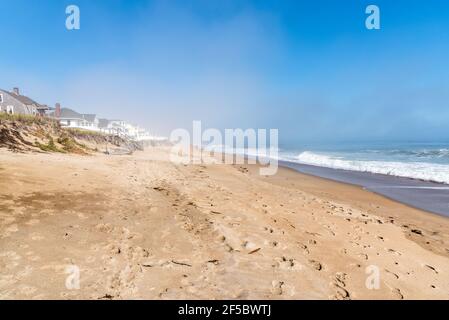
x=141 y=227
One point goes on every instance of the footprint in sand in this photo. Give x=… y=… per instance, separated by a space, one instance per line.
x=363 y=256
x=394 y=252
x=104 y=227
x=398 y=294
x=431 y=268
x=249 y=245
x=274 y=244
x=339 y=284
x=287 y=264
x=316 y=265
x=270 y=230
x=392 y=273
x=277 y=287
x=304 y=248
x=229 y=248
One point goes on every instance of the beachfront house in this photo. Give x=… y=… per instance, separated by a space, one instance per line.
x=123 y=128
x=131 y=130
x=13 y=102
x=143 y=135
x=115 y=127
x=69 y=118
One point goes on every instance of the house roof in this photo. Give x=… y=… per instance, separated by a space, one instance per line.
x=24 y=99
x=89 y=117
x=71 y=114
x=103 y=123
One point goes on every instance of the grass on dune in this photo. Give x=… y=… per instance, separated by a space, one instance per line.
x=25 y=118
x=83 y=132
x=49 y=147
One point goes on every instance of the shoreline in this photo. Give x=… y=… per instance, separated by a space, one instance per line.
x=141 y=227
x=369 y=200
x=406 y=190
x=423 y=195
x=414 y=220
x=359 y=187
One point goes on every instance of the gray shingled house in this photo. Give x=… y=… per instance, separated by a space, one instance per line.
x=15 y=103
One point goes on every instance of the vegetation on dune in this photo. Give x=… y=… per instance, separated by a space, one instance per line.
x=22 y=133
x=65 y=144
x=85 y=133
x=49 y=147
x=69 y=144
x=26 y=119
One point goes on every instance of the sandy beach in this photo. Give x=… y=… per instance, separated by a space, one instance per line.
x=141 y=227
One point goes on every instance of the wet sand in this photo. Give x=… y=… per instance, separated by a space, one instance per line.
x=429 y=196
x=141 y=227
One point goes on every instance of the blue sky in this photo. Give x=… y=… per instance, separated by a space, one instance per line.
x=309 y=68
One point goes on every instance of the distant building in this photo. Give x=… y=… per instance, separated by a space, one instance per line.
x=69 y=118
x=116 y=127
x=123 y=128
x=15 y=103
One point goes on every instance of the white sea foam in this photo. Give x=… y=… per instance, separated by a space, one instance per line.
x=416 y=170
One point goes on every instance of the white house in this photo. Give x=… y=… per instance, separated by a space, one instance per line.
x=116 y=127
x=124 y=128
x=72 y=119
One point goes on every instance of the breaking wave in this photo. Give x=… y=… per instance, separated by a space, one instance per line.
x=415 y=170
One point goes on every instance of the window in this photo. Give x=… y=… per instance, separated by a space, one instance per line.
x=10 y=109
x=1 y=97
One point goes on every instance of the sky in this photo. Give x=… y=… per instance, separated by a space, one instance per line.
x=308 y=68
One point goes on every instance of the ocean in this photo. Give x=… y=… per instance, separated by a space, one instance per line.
x=422 y=161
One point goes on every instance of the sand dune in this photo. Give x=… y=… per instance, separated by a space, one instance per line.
x=141 y=227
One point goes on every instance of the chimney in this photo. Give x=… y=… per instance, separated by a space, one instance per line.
x=16 y=91
x=57 y=110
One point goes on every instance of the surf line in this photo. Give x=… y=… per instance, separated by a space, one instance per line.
x=408 y=187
